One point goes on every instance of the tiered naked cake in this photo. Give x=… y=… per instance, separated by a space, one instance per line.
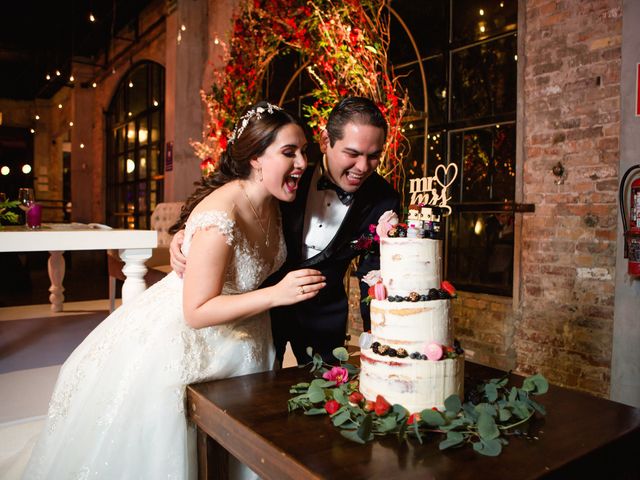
x=412 y=359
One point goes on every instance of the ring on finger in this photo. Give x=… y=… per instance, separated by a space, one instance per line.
x=301 y=289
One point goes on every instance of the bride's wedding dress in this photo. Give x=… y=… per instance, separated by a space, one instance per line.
x=118 y=408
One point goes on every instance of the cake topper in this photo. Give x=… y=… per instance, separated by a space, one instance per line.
x=433 y=191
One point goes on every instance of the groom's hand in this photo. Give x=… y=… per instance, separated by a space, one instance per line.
x=178 y=260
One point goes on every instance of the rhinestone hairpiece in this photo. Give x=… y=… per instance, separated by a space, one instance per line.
x=244 y=120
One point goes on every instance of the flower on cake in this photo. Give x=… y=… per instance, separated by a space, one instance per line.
x=387 y=221
x=339 y=375
x=372 y=277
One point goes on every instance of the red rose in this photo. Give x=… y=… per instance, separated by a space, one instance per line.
x=332 y=406
x=414 y=417
x=356 y=398
x=369 y=406
x=382 y=406
x=372 y=291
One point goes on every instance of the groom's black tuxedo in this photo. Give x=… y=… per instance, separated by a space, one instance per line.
x=321 y=321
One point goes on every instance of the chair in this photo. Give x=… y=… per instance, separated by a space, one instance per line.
x=162 y=218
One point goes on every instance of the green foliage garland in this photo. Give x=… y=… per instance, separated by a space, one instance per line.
x=485 y=424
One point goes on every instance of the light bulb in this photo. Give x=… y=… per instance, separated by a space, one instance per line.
x=82 y=145
x=5 y=170
x=58 y=73
x=48 y=77
x=59 y=105
x=37 y=117
x=91 y=17
x=130 y=84
x=71 y=79
x=71 y=124
x=26 y=169
x=94 y=84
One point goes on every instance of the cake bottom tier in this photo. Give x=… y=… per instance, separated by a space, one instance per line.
x=414 y=384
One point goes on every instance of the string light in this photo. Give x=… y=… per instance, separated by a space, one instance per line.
x=26 y=169
x=71 y=78
x=130 y=84
x=91 y=17
x=71 y=124
x=58 y=73
x=481 y=12
x=48 y=77
x=59 y=105
x=183 y=28
x=33 y=130
x=482 y=28
x=82 y=145
x=515 y=57
x=501 y=4
x=5 y=170
x=37 y=117
x=94 y=84
x=155 y=103
x=216 y=41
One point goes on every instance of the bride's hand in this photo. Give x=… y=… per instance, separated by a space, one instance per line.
x=298 y=286
x=178 y=260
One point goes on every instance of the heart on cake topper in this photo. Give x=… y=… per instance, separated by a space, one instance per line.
x=442 y=171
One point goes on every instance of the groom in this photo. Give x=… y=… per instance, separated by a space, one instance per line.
x=336 y=202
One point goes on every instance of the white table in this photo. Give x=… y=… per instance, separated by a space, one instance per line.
x=56 y=238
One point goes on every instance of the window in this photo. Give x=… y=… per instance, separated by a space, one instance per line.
x=467 y=50
x=135 y=139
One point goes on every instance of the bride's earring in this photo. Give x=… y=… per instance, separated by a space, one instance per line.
x=260 y=175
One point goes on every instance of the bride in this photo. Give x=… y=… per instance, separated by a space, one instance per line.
x=118 y=409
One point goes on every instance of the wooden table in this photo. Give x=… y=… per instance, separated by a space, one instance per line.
x=581 y=437
x=56 y=238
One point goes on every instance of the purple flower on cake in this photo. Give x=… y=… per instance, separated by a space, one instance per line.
x=387 y=221
x=372 y=277
x=339 y=375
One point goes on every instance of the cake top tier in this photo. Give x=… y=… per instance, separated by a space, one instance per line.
x=410 y=265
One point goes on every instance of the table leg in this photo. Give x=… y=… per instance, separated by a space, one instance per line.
x=56 y=270
x=134 y=270
x=213 y=460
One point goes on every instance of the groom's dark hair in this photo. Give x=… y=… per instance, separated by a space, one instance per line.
x=358 y=110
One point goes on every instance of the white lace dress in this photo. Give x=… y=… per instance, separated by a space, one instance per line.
x=118 y=408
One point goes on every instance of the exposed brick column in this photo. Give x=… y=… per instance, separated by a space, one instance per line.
x=571 y=111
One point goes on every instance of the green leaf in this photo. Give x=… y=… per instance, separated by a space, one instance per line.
x=339 y=396
x=486 y=408
x=491 y=391
x=487 y=428
x=316 y=394
x=340 y=417
x=490 y=448
x=352 y=435
x=513 y=395
x=341 y=354
x=352 y=369
x=316 y=411
x=364 y=431
x=322 y=383
x=453 y=439
x=504 y=414
x=400 y=412
x=453 y=403
x=535 y=384
x=310 y=352
x=387 y=424
x=432 y=418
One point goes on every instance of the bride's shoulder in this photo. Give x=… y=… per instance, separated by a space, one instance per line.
x=216 y=210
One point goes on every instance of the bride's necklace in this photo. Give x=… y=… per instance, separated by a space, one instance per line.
x=264 y=232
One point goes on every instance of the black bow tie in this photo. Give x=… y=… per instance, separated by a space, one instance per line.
x=325 y=184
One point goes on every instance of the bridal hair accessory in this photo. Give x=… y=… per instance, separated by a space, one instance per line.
x=244 y=120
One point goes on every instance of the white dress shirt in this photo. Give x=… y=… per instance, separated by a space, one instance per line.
x=323 y=216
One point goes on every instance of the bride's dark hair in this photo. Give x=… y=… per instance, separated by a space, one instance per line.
x=251 y=141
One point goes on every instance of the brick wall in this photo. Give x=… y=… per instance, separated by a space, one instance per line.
x=572 y=115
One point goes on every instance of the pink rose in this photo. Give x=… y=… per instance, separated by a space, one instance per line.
x=337 y=374
x=387 y=220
